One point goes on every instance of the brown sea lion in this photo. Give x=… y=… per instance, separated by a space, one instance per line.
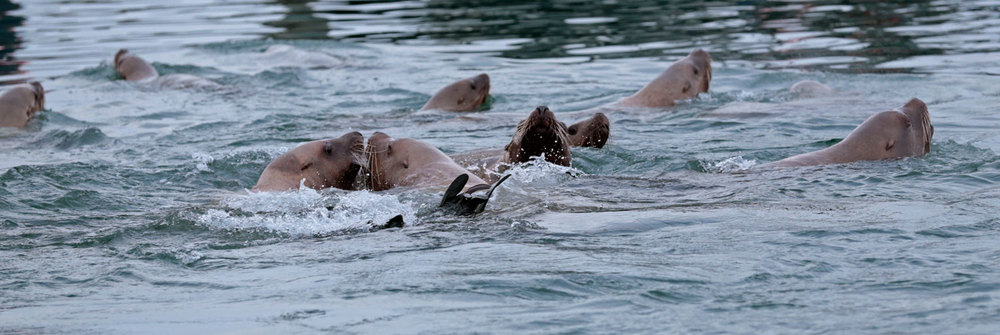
x=684 y=79
x=19 y=103
x=133 y=68
x=540 y=133
x=590 y=132
x=412 y=163
x=465 y=95
x=903 y=132
x=317 y=164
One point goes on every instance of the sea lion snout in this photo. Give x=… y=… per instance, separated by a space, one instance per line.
x=39 y=96
x=542 y=112
x=703 y=61
x=481 y=82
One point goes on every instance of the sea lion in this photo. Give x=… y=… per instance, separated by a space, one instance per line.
x=413 y=163
x=903 y=132
x=317 y=164
x=537 y=135
x=809 y=89
x=465 y=95
x=590 y=132
x=684 y=79
x=19 y=103
x=133 y=68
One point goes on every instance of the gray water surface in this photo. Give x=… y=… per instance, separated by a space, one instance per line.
x=124 y=208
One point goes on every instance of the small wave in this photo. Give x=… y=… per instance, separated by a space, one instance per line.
x=64 y=140
x=730 y=165
x=307 y=212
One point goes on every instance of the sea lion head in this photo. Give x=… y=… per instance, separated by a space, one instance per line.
x=592 y=132
x=539 y=134
x=132 y=67
x=402 y=162
x=317 y=164
x=465 y=95
x=903 y=132
x=684 y=79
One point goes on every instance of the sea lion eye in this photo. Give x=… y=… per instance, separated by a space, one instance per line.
x=389 y=150
x=571 y=130
x=473 y=85
x=696 y=71
x=308 y=165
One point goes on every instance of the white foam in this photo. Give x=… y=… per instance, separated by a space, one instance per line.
x=730 y=165
x=538 y=169
x=306 y=212
x=202 y=160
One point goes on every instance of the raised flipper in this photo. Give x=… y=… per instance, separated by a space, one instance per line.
x=464 y=203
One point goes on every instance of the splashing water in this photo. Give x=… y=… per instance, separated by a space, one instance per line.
x=307 y=212
x=730 y=165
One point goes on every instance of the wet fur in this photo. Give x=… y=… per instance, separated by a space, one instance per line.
x=465 y=95
x=20 y=103
x=540 y=133
x=326 y=163
x=903 y=132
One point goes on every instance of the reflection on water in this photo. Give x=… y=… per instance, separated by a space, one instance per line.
x=9 y=42
x=854 y=36
x=300 y=22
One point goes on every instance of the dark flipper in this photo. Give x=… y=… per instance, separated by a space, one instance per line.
x=464 y=203
x=394 y=222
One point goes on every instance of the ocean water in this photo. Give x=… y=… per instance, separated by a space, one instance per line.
x=125 y=208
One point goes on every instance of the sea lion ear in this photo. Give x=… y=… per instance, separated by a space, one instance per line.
x=687 y=87
x=890 y=144
x=328 y=147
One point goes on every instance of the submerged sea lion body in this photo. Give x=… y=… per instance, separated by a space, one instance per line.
x=133 y=68
x=903 y=132
x=411 y=163
x=317 y=165
x=465 y=95
x=19 y=103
